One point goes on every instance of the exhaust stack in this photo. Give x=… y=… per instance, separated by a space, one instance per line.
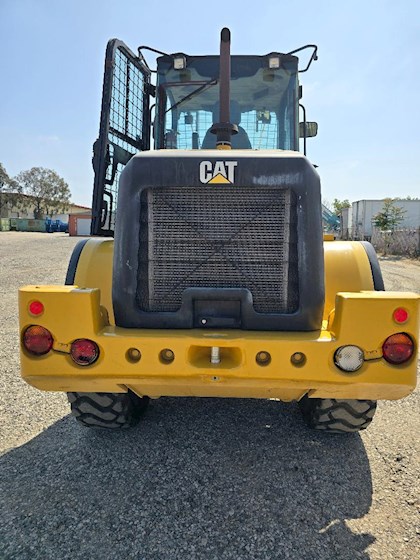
x=224 y=128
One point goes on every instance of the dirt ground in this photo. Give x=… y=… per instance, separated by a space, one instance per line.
x=400 y=273
x=199 y=478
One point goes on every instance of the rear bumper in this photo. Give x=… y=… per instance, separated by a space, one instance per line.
x=363 y=319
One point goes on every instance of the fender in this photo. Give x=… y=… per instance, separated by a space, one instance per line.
x=90 y=266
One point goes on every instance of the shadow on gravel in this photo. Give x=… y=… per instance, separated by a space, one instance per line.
x=198 y=479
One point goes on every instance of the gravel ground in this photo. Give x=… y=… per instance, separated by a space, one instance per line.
x=199 y=478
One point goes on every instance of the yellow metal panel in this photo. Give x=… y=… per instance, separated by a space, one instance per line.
x=347 y=269
x=94 y=270
x=355 y=313
x=67 y=309
x=364 y=319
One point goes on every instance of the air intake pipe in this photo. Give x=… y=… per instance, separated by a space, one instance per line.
x=224 y=128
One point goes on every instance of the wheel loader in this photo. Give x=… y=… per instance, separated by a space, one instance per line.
x=207 y=273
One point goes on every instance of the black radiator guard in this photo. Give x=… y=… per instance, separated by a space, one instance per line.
x=226 y=307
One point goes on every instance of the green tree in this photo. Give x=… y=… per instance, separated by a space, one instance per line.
x=4 y=177
x=338 y=205
x=390 y=216
x=49 y=192
x=10 y=193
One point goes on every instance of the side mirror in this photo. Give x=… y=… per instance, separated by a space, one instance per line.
x=311 y=129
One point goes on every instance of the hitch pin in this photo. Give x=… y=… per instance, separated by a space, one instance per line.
x=215 y=355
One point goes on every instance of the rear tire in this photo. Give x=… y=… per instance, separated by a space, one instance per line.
x=337 y=415
x=112 y=411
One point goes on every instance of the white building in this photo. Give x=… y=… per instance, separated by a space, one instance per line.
x=362 y=213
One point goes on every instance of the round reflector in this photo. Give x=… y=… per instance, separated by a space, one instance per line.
x=349 y=358
x=400 y=315
x=37 y=340
x=84 y=352
x=263 y=358
x=398 y=348
x=298 y=359
x=36 y=308
x=166 y=356
x=133 y=355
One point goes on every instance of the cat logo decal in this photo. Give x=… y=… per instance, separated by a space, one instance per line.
x=217 y=172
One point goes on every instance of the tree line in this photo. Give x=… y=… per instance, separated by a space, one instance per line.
x=37 y=189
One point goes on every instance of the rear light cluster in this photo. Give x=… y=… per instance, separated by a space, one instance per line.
x=39 y=341
x=84 y=352
x=398 y=348
x=349 y=358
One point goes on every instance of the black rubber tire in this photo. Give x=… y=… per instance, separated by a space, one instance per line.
x=112 y=411
x=378 y=281
x=337 y=415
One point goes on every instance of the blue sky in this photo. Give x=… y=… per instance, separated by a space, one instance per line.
x=363 y=90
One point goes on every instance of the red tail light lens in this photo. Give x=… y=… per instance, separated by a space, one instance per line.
x=84 y=352
x=37 y=340
x=398 y=348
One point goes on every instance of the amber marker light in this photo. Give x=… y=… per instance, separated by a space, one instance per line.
x=37 y=340
x=36 y=308
x=398 y=348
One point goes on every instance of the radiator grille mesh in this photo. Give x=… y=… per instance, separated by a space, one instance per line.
x=218 y=237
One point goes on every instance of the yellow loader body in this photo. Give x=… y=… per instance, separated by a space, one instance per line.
x=255 y=364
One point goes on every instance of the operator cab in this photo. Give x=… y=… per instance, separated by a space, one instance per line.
x=264 y=95
x=264 y=102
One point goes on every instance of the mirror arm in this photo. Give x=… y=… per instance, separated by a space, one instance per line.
x=314 y=55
